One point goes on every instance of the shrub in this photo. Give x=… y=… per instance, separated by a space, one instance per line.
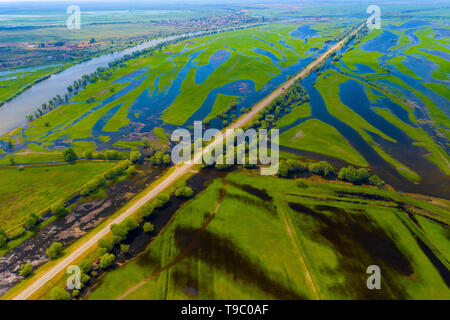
x=69 y=155
x=363 y=174
x=124 y=248
x=58 y=293
x=288 y=167
x=184 y=191
x=131 y=171
x=112 y=155
x=376 y=181
x=107 y=260
x=147 y=209
x=161 y=200
x=348 y=174
x=85 y=266
x=54 y=251
x=31 y=220
x=135 y=156
x=107 y=243
x=58 y=209
x=92 y=185
x=352 y=175
x=148 y=227
x=130 y=223
x=85 y=278
x=25 y=269
x=322 y=168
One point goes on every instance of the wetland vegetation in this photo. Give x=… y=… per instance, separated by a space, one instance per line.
x=364 y=176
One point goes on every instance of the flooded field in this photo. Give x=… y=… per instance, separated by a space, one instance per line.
x=199 y=250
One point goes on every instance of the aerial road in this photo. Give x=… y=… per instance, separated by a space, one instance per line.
x=179 y=171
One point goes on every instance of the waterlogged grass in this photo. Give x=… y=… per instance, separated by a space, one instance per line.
x=328 y=87
x=297 y=112
x=75 y=121
x=437 y=154
x=222 y=103
x=18 y=81
x=212 y=249
x=160 y=134
x=35 y=188
x=313 y=135
x=357 y=56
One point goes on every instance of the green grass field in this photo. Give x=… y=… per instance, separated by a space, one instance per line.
x=34 y=189
x=288 y=243
x=312 y=135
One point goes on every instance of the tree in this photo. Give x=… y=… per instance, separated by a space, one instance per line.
x=135 y=156
x=85 y=278
x=348 y=174
x=166 y=159
x=363 y=174
x=376 y=181
x=58 y=293
x=130 y=223
x=107 y=243
x=106 y=260
x=124 y=248
x=25 y=269
x=148 y=227
x=184 y=191
x=54 y=250
x=85 y=266
x=131 y=170
x=31 y=221
x=112 y=155
x=59 y=209
x=288 y=167
x=322 y=168
x=69 y=155
x=89 y=155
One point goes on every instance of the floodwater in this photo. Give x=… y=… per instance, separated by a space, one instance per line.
x=12 y=114
x=145 y=112
x=352 y=93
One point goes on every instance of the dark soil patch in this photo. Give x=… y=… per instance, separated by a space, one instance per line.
x=359 y=242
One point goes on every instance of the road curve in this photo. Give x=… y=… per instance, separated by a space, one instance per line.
x=179 y=171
